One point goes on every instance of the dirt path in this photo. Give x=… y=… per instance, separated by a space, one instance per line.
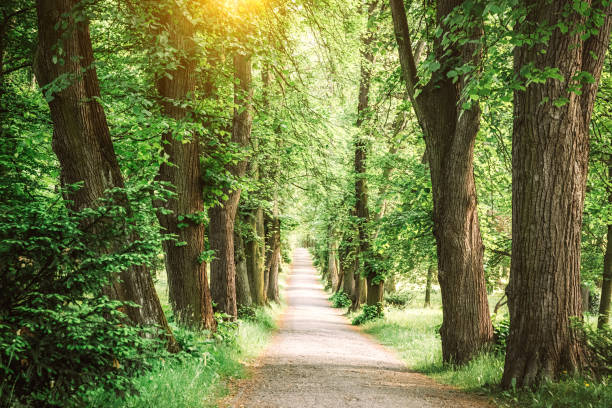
x=318 y=360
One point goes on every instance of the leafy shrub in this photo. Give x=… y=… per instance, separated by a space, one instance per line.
x=501 y=330
x=340 y=300
x=399 y=299
x=247 y=312
x=59 y=333
x=599 y=344
x=368 y=313
x=227 y=329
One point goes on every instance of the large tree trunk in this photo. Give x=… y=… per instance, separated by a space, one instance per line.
x=365 y=257
x=606 y=286
x=189 y=293
x=550 y=144
x=82 y=141
x=449 y=134
x=243 y=290
x=255 y=256
x=222 y=216
x=273 y=257
x=346 y=267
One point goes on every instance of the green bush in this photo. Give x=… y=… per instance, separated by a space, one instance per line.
x=399 y=299
x=599 y=344
x=501 y=330
x=59 y=333
x=368 y=313
x=340 y=300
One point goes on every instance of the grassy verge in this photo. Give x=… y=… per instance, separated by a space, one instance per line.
x=199 y=375
x=412 y=332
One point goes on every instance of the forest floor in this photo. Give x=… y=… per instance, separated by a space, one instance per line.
x=317 y=359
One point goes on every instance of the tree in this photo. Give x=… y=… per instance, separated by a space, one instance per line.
x=374 y=283
x=222 y=216
x=450 y=123
x=81 y=138
x=182 y=214
x=549 y=167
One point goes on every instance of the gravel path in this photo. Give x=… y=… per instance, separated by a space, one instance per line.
x=319 y=360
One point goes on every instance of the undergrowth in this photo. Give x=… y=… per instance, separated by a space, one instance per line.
x=340 y=300
x=413 y=334
x=197 y=376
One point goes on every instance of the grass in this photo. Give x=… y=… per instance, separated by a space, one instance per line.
x=412 y=332
x=199 y=376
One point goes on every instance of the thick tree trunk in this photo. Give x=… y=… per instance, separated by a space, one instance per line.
x=430 y=272
x=243 y=290
x=332 y=267
x=346 y=268
x=449 y=134
x=82 y=141
x=365 y=257
x=222 y=216
x=189 y=293
x=255 y=256
x=273 y=257
x=549 y=169
x=606 y=286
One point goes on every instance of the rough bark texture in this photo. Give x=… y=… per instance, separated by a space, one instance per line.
x=449 y=134
x=243 y=291
x=222 y=216
x=82 y=141
x=375 y=286
x=550 y=146
x=606 y=286
x=430 y=272
x=273 y=257
x=255 y=256
x=189 y=294
x=346 y=266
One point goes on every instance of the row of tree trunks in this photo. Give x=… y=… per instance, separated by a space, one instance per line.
x=449 y=134
x=82 y=141
x=189 y=294
x=222 y=216
x=550 y=147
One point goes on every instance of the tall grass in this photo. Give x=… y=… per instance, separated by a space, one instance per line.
x=198 y=377
x=413 y=333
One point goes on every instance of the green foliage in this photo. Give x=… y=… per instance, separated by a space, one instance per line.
x=399 y=299
x=59 y=333
x=501 y=330
x=340 y=299
x=599 y=345
x=196 y=377
x=368 y=313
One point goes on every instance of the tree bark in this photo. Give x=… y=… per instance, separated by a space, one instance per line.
x=550 y=144
x=365 y=255
x=430 y=272
x=450 y=133
x=255 y=256
x=606 y=286
x=243 y=290
x=346 y=267
x=82 y=141
x=222 y=216
x=273 y=256
x=189 y=293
